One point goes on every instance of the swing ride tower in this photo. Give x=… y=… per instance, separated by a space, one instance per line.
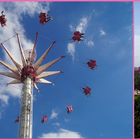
x=29 y=73
x=26 y=109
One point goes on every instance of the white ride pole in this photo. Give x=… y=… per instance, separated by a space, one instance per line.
x=25 y=129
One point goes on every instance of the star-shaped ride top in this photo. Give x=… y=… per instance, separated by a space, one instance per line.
x=29 y=68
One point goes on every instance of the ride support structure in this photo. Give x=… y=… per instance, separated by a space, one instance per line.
x=29 y=73
x=26 y=115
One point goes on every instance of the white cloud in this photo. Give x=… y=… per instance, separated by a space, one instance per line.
x=90 y=43
x=56 y=124
x=4 y=98
x=7 y=91
x=71 y=49
x=54 y=114
x=102 y=32
x=29 y=8
x=62 y=133
x=137 y=50
x=35 y=7
x=72 y=29
x=14 y=12
x=81 y=27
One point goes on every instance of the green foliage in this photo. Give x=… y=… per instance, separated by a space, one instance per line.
x=137 y=116
x=137 y=105
x=137 y=81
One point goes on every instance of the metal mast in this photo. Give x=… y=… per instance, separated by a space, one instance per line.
x=26 y=109
x=29 y=74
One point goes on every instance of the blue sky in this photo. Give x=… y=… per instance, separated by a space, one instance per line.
x=137 y=33
x=107 y=113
